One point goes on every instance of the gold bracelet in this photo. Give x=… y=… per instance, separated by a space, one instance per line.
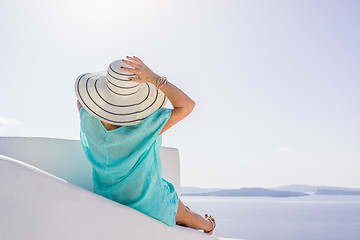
x=161 y=81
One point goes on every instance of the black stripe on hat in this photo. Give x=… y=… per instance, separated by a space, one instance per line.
x=120 y=86
x=120 y=73
x=118 y=78
x=118 y=93
x=163 y=103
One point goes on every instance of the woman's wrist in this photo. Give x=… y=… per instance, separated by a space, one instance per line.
x=158 y=80
x=154 y=79
x=161 y=81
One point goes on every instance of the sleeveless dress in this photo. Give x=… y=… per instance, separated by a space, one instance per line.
x=126 y=167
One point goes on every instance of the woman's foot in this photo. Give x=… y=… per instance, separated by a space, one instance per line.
x=212 y=224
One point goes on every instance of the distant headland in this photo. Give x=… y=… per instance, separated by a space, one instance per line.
x=295 y=190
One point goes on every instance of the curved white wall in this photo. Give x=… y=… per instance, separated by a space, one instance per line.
x=35 y=204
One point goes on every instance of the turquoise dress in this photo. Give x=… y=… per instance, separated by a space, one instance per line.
x=126 y=167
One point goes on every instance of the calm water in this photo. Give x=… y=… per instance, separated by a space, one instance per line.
x=299 y=218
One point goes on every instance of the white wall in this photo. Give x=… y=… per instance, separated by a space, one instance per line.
x=36 y=205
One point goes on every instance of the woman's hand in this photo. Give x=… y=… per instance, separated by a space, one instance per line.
x=143 y=73
x=182 y=103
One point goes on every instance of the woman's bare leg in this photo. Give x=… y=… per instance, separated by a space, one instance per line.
x=186 y=217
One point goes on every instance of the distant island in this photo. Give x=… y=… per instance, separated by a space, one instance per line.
x=249 y=192
x=336 y=192
x=314 y=189
x=295 y=190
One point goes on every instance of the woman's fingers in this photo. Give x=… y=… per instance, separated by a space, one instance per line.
x=131 y=70
x=138 y=59
x=142 y=72
x=132 y=64
x=136 y=79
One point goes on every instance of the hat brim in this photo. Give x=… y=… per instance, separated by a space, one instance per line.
x=98 y=99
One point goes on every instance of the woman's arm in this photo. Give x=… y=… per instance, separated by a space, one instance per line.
x=182 y=103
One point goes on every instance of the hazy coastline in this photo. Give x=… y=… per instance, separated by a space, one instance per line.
x=295 y=190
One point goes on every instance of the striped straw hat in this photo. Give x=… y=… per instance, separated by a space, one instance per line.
x=111 y=97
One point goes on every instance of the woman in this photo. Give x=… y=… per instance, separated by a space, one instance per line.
x=122 y=118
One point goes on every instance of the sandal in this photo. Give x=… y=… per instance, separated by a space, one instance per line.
x=213 y=224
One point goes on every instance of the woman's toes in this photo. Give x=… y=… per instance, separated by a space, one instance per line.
x=211 y=225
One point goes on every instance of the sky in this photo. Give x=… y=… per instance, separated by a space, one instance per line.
x=276 y=83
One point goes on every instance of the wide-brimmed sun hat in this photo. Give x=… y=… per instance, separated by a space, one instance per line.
x=111 y=97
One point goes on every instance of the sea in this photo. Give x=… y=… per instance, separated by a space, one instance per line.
x=314 y=217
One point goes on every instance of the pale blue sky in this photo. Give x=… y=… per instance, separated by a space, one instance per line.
x=276 y=82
